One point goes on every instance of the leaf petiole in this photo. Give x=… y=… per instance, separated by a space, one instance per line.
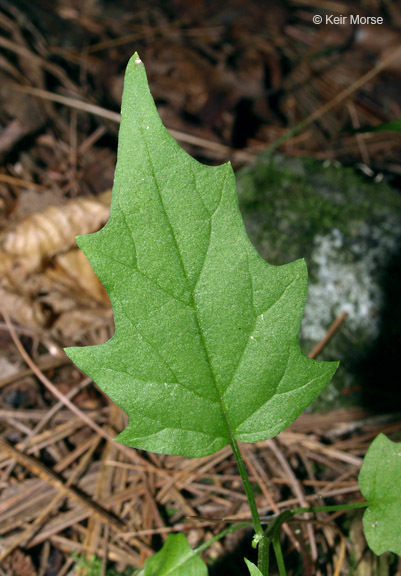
x=260 y=536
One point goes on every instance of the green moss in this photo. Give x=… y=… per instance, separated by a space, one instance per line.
x=283 y=199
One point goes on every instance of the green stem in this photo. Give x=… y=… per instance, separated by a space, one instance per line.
x=248 y=488
x=279 y=556
x=263 y=555
x=314 y=510
x=220 y=535
x=334 y=508
x=263 y=544
x=288 y=135
x=271 y=534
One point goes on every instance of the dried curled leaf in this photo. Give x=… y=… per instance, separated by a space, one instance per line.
x=45 y=281
x=44 y=234
x=22 y=309
x=73 y=271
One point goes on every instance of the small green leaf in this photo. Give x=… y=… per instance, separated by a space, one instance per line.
x=176 y=558
x=256 y=539
x=205 y=349
x=392 y=126
x=380 y=483
x=253 y=570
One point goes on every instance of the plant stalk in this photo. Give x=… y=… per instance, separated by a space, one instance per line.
x=279 y=556
x=263 y=543
x=334 y=508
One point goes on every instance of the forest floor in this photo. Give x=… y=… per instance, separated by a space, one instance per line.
x=229 y=81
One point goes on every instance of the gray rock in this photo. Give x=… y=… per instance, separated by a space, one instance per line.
x=348 y=229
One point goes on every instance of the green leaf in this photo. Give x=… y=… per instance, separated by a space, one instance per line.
x=380 y=483
x=253 y=570
x=206 y=347
x=392 y=126
x=176 y=558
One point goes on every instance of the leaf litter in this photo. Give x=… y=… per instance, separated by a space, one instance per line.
x=155 y=495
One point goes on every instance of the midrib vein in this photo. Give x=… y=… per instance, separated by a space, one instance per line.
x=201 y=333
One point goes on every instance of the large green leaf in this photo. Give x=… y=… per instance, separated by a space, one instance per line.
x=176 y=558
x=205 y=348
x=380 y=483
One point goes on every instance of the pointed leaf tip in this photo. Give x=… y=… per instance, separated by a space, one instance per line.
x=253 y=570
x=136 y=60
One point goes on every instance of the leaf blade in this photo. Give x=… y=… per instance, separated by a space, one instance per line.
x=206 y=343
x=380 y=483
x=176 y=558
x=253 y=570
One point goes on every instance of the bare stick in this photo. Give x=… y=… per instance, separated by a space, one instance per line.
x=328 y=336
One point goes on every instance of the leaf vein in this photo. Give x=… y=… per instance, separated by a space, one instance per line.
x=186 y=429
x=159 y=383
x=195 y=183
x=169 y=224
x=265 y=401
x=293 y=391
x=279 y=298
x=150 y=344
x=151 y=280
x=210 y=239
x=127 y=224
